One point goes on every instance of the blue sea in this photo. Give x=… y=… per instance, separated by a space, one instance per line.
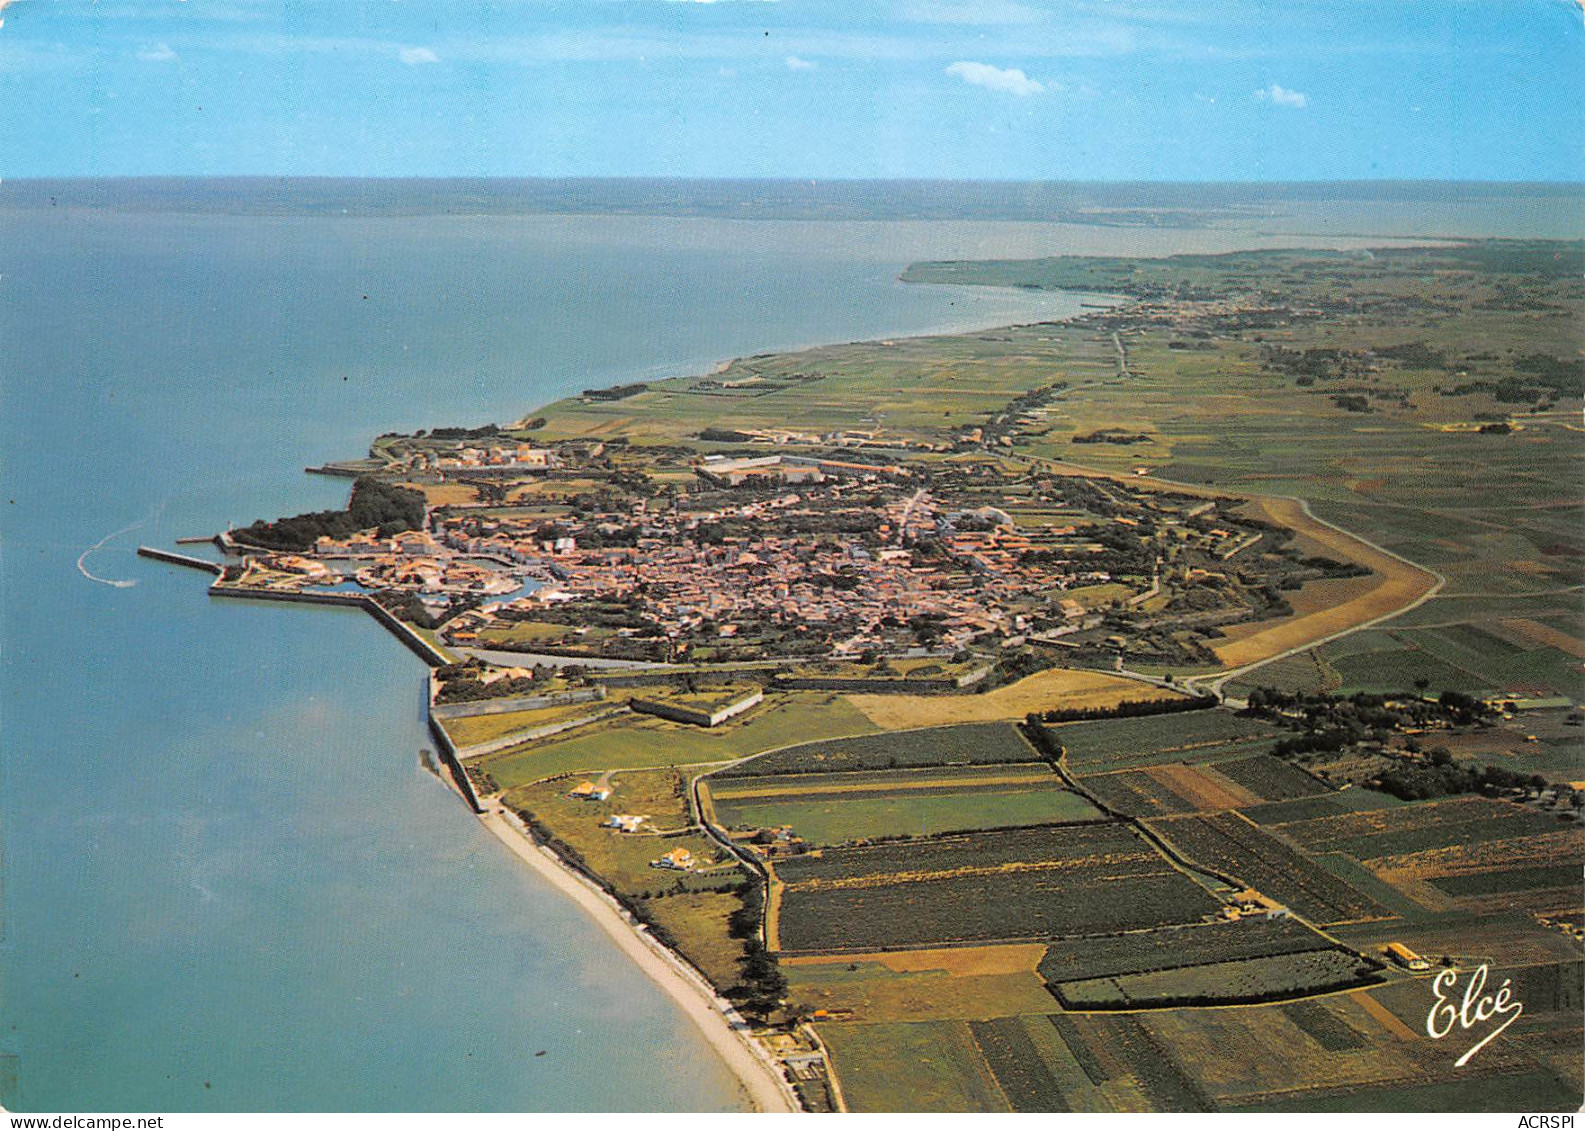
x=228 y=882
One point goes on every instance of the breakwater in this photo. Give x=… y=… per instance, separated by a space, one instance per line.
x=173 y=558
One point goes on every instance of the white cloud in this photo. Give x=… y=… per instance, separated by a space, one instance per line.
x=1282 y=96
x=414 y=56
x=159 y=53
x=1010 y=80
x=796 y=64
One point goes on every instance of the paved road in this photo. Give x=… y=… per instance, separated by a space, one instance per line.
x=529 y=659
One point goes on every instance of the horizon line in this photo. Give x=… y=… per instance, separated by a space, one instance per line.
x=787 y=179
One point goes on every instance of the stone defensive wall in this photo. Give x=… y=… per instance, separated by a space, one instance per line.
x=505 y=705
x=897 y=685
x=422 y=648
x=697 y=716
x=448 y=755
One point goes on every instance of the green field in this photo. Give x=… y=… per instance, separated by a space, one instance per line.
x=643 y=741
x=1227 y=843
x=1244 y=980
x=838 y=819
x=967 y=744
x=1192 y=736
x=1031 y=883
x=486 y=728
x=946 y=1072
x=1271 y=779
x=1175 y=947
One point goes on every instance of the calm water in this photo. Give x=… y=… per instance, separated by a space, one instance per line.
x=228 y=884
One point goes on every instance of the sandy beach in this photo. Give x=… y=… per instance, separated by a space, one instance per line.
x=767 y=1091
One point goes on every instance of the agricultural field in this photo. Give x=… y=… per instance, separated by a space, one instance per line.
x=1345 y=1052
x=1229 y=844
x=1471 y=853
x=992 y=886
x=829 y=809
x=964 y=983
x=1360 y=1050
x=1169 y=788
x=1271 y=779
x=1136 y=793
x=1172 y=947
x=1352 y=800
x=1054 y=687
x=951 y=1075
x=1241 y=980
x=1017 y=1065
x=1118 y=744
x=981 y=744
x=1454 y=822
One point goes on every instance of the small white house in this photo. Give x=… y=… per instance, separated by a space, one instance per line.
x=624 y=822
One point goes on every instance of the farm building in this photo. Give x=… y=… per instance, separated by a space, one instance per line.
x=588 y=791
x=1405 y=957
x=677 y=860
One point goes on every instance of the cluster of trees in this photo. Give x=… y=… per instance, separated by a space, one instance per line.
x=763 y=985
x=1366 y=712
x=460 y=684
x=615 y=392
x=374 y=504
x=1006 y=421
x=408 y=607
x=460 y=433
x=1328 y=723
x=1439 y=775
x=1312 y=365
x=1414 y=355
x=1111 y=436
x=1127 y=709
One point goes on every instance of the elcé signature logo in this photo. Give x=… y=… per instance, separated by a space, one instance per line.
x=1476 y=1008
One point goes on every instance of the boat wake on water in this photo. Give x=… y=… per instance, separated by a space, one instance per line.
x=117 y=583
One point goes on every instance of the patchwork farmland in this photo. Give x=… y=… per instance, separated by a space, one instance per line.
x=1191 y=736
x=1011 y=884
x=980 y=744
x=839 y=808
x=1230 y=844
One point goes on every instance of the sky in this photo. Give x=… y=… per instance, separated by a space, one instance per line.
x=1190 y=90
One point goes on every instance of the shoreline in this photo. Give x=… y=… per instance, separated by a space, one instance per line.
x=762 y=1083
